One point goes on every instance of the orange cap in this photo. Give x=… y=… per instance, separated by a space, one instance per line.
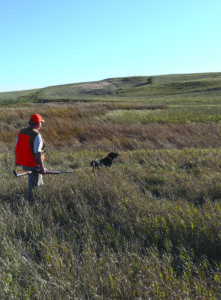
x=36 y=118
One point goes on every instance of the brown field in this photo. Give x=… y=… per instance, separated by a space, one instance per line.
x=146 y=228
x=83 y=126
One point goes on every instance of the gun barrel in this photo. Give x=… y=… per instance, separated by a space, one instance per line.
x=19 y=173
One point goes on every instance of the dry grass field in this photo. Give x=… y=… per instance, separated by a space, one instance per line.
x=146 y=228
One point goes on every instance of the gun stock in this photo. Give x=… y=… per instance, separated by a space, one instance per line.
x=19 y=173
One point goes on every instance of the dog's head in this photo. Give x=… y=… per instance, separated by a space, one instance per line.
x=113 y=155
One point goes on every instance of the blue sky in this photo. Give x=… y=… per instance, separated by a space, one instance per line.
x=47 y=42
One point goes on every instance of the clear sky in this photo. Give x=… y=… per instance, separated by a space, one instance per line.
x=52 y=42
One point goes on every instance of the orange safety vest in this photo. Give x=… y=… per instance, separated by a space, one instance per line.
x=24 y=148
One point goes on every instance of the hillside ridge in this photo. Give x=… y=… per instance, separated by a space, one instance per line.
x=121 y=88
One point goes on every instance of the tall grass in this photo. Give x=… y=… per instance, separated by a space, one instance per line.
x=147 y=228
x=107 y=126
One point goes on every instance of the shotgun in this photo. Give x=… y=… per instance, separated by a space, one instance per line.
x=19 y=173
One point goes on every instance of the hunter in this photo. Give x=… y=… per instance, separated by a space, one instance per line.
x=29 y=153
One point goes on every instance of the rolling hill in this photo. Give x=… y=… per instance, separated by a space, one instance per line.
x=188 y=88
x=146 y=228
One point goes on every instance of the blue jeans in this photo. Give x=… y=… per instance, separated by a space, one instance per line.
x=34 y=180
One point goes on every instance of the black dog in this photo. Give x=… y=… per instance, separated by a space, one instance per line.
x=106 y=161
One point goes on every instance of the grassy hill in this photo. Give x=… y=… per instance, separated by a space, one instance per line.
x=155 y=89
x=146 y=228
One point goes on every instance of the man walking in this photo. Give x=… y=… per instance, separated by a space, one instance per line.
x=29 y=153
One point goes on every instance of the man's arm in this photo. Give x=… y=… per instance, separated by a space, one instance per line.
x=39 y=161
x=38 y=144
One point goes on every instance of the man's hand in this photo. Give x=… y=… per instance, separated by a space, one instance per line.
x=39 y=161
x=43 y=171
